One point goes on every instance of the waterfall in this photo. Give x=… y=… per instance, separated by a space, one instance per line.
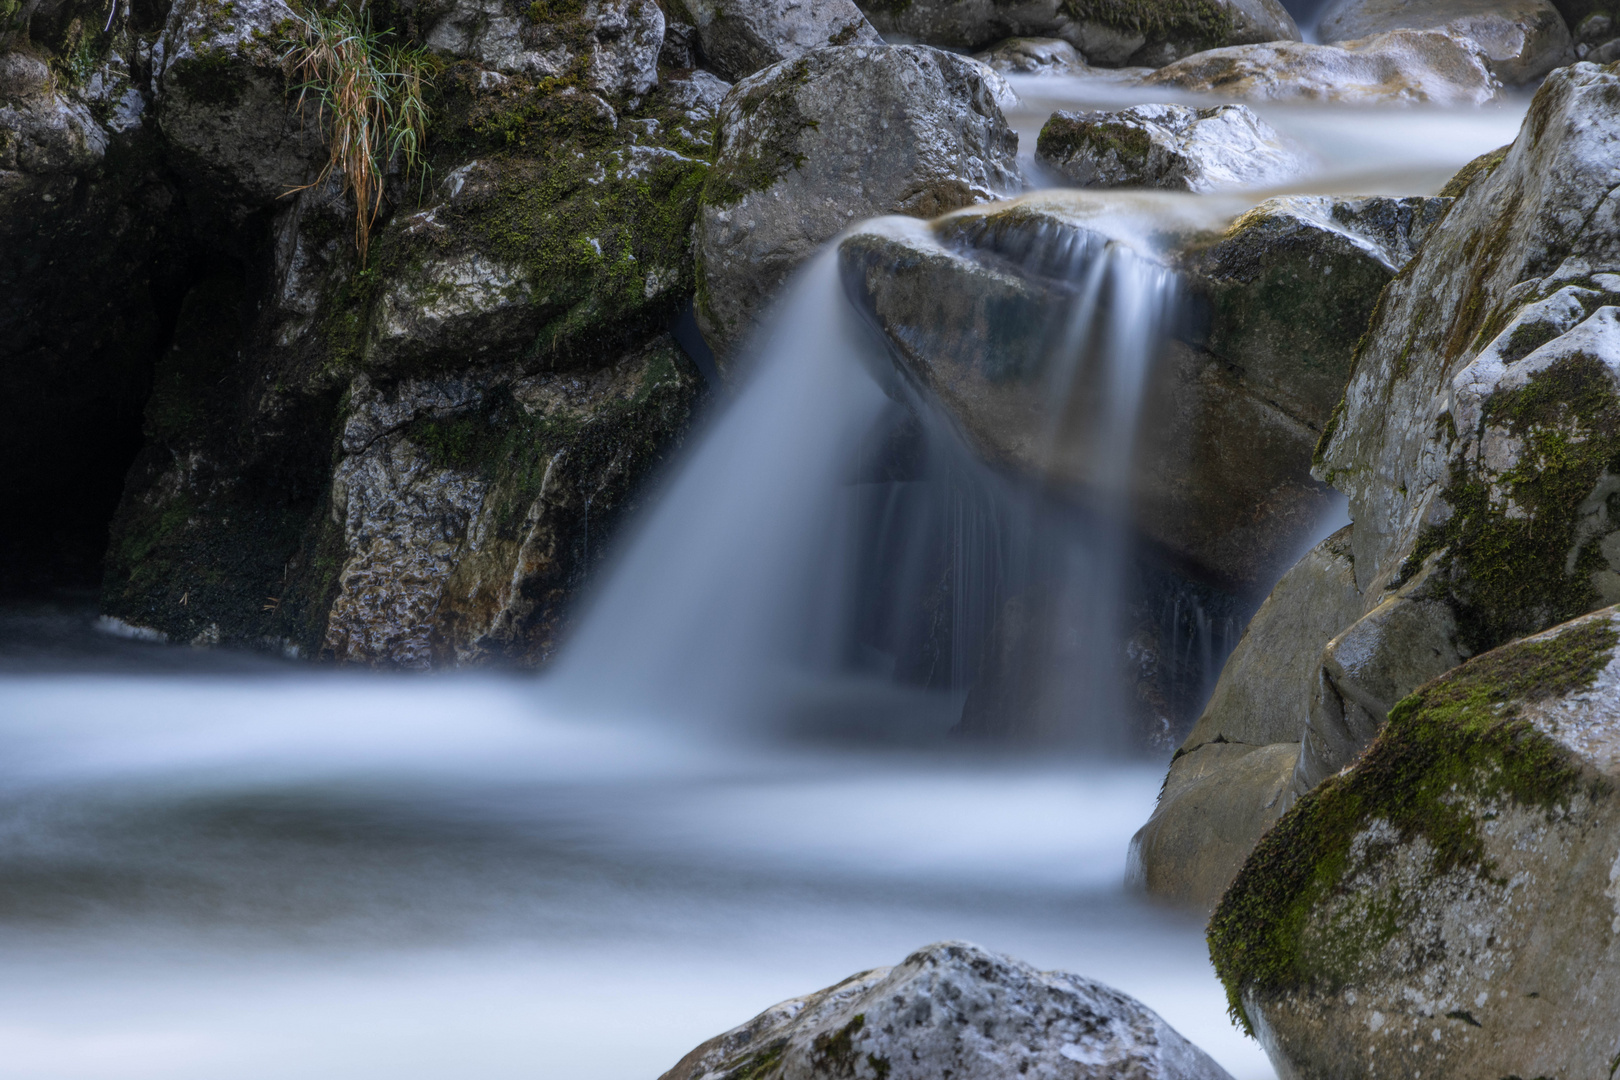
x=833 y=556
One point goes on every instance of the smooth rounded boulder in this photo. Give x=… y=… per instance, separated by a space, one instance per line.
x=1521 y=40
x=1110 y=33
x=1447 y=906
x=953 y=1009
x=813 y=145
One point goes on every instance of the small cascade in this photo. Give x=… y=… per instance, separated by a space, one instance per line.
x=834 y=556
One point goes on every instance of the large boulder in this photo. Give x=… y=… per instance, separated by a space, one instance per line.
x=739 y=37
x=1447 y=906
x=956 y=1010
x=1399 y=67
x=1108 y=32
x=1521 y=40
x=810 y=146
x=1172 y=147
x=614 y=44
x=1233 y=776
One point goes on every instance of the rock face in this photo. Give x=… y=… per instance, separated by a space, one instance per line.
x=1233 y=776
x=1446 y=907
x=740 y=37
x=1107 y=32
x=1034 y=56
x=613 y=43
x=843 y=133
x=1522 y=40
x=971 y=308
x=953 y=1009
x=1400 y=67
x=1172 y=147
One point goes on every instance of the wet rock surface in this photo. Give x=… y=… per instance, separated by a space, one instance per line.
x=739 y=37
x=613 y=43
x=955 y=1009
x=1521 y=40
x=1447 y=905
x=812 y=145
x=1399 y=67
x=1170 y=147
x=1107 y=34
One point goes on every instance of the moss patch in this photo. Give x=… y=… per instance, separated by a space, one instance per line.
x=1066 y=134
x=1204 y=23
x=1460 y=737
x=1477 y=169
x=1511 y=557
x=772 y=124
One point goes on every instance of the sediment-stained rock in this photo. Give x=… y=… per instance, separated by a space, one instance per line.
x=1107 y=32
x=1521 y=40
x=1446 y=906
x=1399 y=67
x=953 y=1009
x=813 y=145
x=1170 y=147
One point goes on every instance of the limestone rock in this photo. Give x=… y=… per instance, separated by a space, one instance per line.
x=43 y=131
x=1217 y=801
x=1173 y=147
x=740 y=37
x=1106 y=32
x=1399 y=67
x=616 y=41
x=1522 y=40
x=223 y=103
x=812 y=145
x=953 y=1009
x=1035 y=56
x=1446 y=907
x=1291 y=284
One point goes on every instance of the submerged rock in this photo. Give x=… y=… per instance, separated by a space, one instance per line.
x=1399 y=67
x=739 y=37
x=1172 y=147
x=1521 y=40
x=1446 y=906
x=953 y=1009
x=812 y=145
x=1107 y=32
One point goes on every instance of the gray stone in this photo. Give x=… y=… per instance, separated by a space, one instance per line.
x=956 y=1010
x=1448 y=905
x=740 y=37
x=1035 y=56
x=813 y=145
x=1399 y=67
x=1217 y=801
x=1521 y=40
x=616 y=41
x=1172 y=147
x=1106 y=33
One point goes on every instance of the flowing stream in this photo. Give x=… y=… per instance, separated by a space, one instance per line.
x=737 y=786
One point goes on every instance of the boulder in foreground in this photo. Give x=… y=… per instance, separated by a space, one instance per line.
x=953 y=1010
x=1447 y=906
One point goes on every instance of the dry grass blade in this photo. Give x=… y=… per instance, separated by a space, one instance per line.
x=369 y=104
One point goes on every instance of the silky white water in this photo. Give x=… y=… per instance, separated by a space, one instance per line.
x=215 y=868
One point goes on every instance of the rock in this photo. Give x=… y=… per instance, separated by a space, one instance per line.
x=1521 y=40
x=1446 y=907
x=222 y=102
x=953 y=1009
x=1291 y=284
x=1173 y=147
x=616 y=43
x=1035 y=56
x=1399 y=67
x=1106 y=32
x=740 y=37
x=43 y=131
x=1217 y=801
x=1232 y=777
x=812 y=145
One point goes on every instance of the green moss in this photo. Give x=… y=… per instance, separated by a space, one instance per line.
x=1458 y=738
x=773 y=125
x=211 y=77
x=1477 y=169
x=834 y=1053
x=1065 y=134
x=1512 y=573
x=545 y=11
x=757 y=1066
x=1199 y=22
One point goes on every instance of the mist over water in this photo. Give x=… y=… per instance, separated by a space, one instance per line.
x=737 y=786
